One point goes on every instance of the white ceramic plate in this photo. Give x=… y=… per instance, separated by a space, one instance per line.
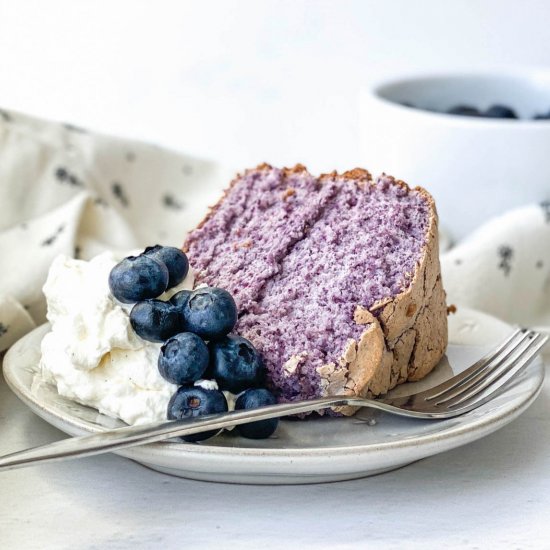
x=311 y=451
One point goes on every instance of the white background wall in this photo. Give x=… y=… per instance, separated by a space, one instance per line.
x=245 y=81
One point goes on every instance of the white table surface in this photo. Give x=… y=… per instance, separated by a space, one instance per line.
x=243 y=83
x=493 y=493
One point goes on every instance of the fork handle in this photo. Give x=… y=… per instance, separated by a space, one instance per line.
x=130 y=436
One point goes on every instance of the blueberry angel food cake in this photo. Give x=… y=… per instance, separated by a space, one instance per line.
x=292 y=287
x=336 y=278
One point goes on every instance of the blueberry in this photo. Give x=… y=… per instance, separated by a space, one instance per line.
x=251 y=399
x=463 y=110
x=155 y=320
x=193 y=401
x=542 y=116
x=138 y=278
x=173 y=258
x=500 y=111
x=235 y=364
x=183 y=359
x=210 y=312
x=180 y=299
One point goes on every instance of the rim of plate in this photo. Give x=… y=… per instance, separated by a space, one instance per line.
x=455 y=431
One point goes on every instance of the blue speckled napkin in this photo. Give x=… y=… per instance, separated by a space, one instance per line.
x=66 y=190
x=503 y=268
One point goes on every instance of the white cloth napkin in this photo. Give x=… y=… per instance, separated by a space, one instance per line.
x=503 y=268
x=66 y=190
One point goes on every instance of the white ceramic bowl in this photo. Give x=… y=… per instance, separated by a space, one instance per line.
x=475 y=167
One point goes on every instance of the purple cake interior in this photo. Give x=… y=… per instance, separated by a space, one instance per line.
x=263 y=215
x=300 y=254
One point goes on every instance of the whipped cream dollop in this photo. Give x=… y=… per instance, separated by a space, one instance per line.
x=92 y=354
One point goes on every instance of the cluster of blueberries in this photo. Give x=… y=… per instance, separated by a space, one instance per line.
x=194 y=327
x=495 y=111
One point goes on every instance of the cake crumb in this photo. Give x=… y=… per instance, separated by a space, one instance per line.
x=291 y=365
x=243 y=244
x=451 y=309
x=350 y=353
x=290 y=191
x=363 y=316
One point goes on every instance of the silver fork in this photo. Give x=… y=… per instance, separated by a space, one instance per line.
x=458 y=395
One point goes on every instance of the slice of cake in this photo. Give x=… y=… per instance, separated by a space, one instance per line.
x=336 y=278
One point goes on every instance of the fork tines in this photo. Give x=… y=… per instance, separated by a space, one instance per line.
x=490 y=373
